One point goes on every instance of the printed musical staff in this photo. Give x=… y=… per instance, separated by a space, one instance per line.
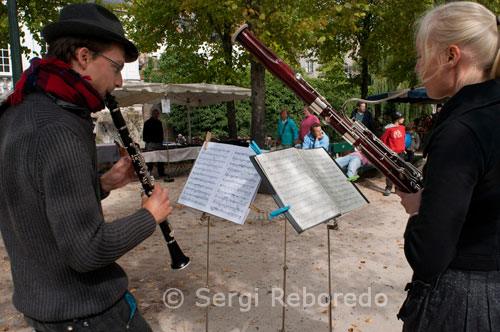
x=333 y=180
x=223 y=182
x=312 y=185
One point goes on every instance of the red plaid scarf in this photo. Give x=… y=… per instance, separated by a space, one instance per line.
x=55 y=76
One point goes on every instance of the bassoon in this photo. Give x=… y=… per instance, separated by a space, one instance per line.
x=405 y=176
x=178 y=259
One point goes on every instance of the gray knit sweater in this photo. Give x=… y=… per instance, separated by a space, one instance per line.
x=62 y=252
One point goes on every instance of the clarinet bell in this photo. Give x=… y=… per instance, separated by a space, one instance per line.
x=179 y=260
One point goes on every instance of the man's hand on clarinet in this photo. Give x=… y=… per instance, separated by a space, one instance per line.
x=158 y=203
x=119 y=175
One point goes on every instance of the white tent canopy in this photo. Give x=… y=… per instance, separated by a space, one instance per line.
x=202 y=94
x=139 y=93
x=191 y=95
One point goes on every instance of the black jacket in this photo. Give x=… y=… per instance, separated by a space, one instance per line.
x=367 y=120
x=458 y=224
x=152 y=131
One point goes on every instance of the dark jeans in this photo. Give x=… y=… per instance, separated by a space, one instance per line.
x=409 y=156
x=114 y=319
x=159 y=165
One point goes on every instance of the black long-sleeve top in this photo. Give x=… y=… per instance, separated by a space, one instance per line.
x=458 y=225
x=152 y=131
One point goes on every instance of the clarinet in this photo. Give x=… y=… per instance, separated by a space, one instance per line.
x=405 y=176
x=179 y=260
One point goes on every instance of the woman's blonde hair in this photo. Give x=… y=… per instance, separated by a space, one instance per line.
x=469 y=25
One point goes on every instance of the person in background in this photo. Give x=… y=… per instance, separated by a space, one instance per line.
x=268 y=142
x=414 y=142
x=316 y=138
x=394 y=138
x=152 y=134
x=429 y=122
x=62 y=252
x=407 y=138
x=453 y=233
x=353 y=161
x=305 y=124
x=287 y=133
x=180 y=139
x=362 y=114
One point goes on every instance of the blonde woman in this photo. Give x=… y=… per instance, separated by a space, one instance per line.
x=452 y=240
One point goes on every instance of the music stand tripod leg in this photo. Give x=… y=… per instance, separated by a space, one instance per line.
x=206 y=217
x=285 y=267
x=328 y=228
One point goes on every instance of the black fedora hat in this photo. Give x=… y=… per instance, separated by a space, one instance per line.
x=90 y=20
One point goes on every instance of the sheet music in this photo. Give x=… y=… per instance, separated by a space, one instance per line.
x=296 y=185
x=223 y=182
x=333 y=180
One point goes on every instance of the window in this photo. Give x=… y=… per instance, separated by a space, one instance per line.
x=4 y=61
x=310 y=66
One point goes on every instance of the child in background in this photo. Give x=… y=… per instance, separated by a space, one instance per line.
x=394 y=138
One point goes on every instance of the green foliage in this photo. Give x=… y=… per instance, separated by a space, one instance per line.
x=279 y=97
x=208 y=24
x=378 y=33
x=173 y=67
x=34 y=15
x=4 y=25
x=209 y=118
x=212 y=118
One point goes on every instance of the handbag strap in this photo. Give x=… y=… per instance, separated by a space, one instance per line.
x=283 y=131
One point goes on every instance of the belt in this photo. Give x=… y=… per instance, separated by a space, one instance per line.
x=88 y=321
x=476 y=263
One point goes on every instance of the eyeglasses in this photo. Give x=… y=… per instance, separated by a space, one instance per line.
x=118 y=67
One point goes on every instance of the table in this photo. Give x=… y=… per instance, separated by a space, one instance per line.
x=172 y=155
x=109 y=153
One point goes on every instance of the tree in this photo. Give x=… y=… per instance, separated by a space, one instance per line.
x=186 y=28
x=34 y=15
x=396 y=35
x=209 y=24
x=348 y=29
x=172 y=67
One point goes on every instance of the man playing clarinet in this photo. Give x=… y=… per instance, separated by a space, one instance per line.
x=62 y=252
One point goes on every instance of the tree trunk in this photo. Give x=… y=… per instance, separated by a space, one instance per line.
x=228 y=58
x=258 y=126
x=365 y=77
x=231 y=120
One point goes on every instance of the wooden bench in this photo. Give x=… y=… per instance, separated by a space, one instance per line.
x=339 y=147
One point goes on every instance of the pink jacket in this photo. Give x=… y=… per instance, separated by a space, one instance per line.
x=364 y=161
x=305 y=125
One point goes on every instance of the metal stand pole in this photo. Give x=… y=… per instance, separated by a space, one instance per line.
x=328 y=228
x=206 y=217
x=285 y=267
